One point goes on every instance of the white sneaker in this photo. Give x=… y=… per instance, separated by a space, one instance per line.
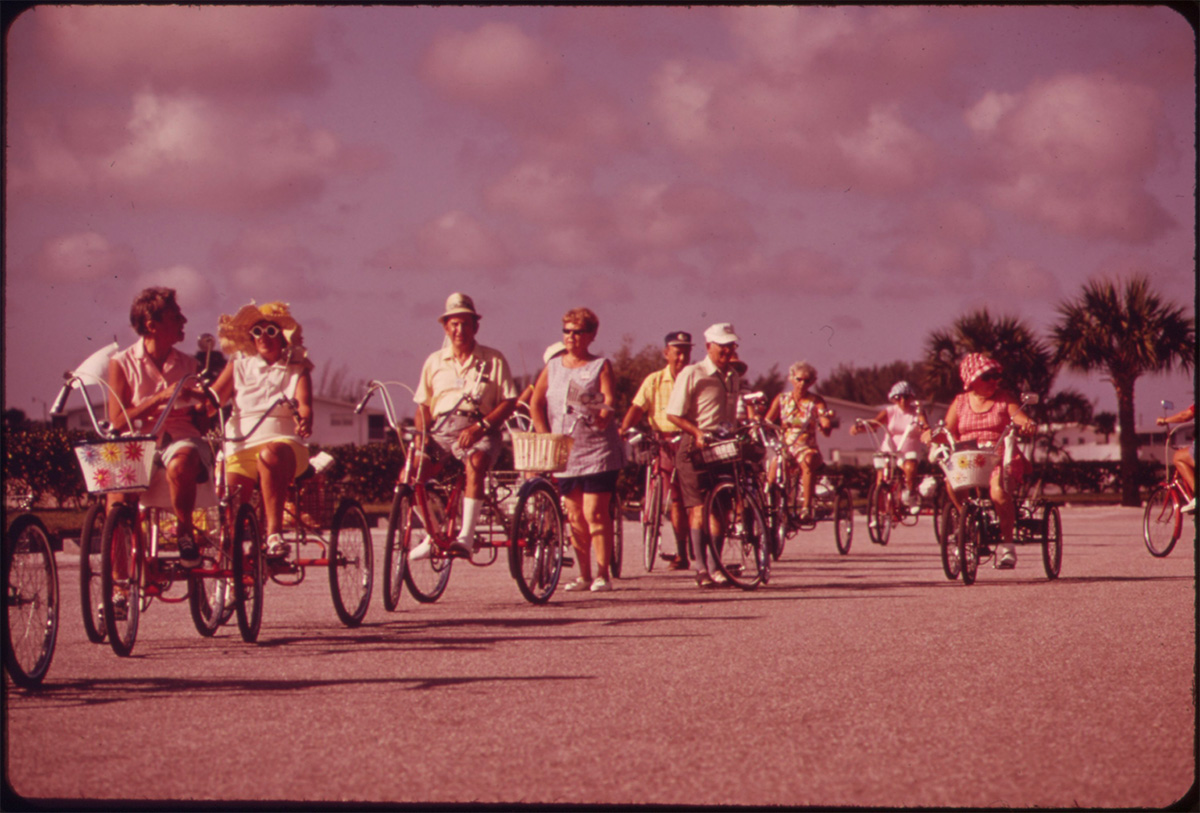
x=276 y=547
x=1008 y=558
x=421 y=551
x=1189 y=507
x=463 y=547
x=601 y=585
x=579 y=584
x=907 y=498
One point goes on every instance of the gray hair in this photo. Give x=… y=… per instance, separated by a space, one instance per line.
x=800 y=368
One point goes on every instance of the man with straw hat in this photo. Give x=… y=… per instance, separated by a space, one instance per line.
x=465 y=394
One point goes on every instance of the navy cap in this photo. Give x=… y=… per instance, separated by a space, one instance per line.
x=679 y=338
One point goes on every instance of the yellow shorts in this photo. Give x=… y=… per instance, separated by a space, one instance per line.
x=245 y=462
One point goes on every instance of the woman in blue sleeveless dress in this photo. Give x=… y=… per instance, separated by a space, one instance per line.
x=575 y=395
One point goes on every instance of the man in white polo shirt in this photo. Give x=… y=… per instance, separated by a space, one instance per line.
x=704 y=397
x=465 y=394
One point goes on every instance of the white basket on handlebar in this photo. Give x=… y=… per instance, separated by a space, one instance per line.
x=541 y=452
x=643 y=451
x=970 y=469
x=119 y=464
x=720 y=451
x=881 y=461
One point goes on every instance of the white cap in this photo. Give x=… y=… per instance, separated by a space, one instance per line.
x=721 y=333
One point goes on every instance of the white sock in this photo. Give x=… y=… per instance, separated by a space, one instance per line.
x=470 y=518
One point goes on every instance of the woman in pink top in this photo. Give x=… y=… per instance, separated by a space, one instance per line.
x=981 y=413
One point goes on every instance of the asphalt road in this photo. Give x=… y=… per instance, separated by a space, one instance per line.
x=859 y=680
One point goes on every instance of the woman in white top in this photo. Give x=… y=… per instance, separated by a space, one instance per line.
x=903 y=422
x=268 y=361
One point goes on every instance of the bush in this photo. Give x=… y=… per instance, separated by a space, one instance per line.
x=41 y=461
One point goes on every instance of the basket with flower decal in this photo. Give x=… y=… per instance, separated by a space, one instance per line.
x=970 y=469
x=117 y=464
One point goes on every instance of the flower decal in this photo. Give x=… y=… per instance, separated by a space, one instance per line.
x=127 y=476
x=103 y=477
x=111 y=452
x=135 y=452
x=91 y=454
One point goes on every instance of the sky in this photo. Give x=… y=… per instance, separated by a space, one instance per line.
x=835 y=181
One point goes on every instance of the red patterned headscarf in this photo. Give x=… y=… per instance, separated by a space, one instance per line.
x=974 y=365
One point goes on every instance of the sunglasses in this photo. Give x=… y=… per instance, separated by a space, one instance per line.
x=991 y=375
x=798 y=380
x=570 y=331
x=270 y=331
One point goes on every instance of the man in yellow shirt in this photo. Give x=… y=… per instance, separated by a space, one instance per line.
x=650 y=402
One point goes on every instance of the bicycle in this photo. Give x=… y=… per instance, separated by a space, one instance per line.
x=831 y=502
x=736 y=523
x=132 y=570
x=647 y=451
x=523 y=516
x=1162 y=521
x=885 y=503
x=31 y=601
x=977 y=534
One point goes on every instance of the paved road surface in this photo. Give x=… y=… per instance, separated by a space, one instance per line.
x=860 y=680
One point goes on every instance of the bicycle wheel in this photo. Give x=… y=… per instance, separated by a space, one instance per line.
x=121 y=577
x=393 y=549
x=881 y=503
x=940 y=500
x=776 y=519
x=89 y=573
x=249 y=568
x=843 y=521
x=209 y=592
x=652 y=511
x=535 y=546
x=970 y=528
x=426 y=578
x=947 y=524
x=31 y=602
x=351 y=563
x=1052 y=540
x=1162 y=521
x=617 y=511
x=737 y=538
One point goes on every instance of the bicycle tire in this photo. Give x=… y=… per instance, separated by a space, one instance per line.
x=777 y=519
x=427 y=578
x=1162 y=521
x=31 y=602
x=947 y=521
x=739 y=548
x=537 y=542
x=884 y=504
x=651 y=519
x=351 y=563
x=843 y=521
x=940 y=500
x=210 y=595
x=249 y=568
x=1051 y=540
x=119 y=542
x=970 y=528
x=90 y=536
x=393 y=550
x=616 y=512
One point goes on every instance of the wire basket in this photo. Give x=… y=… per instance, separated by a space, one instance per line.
x=971 y=469
x=717 y=452
x=541 y=452
x=881 y=461
x=644 y=451
x=117 y=465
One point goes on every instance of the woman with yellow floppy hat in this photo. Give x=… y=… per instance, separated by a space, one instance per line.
x=268 y=361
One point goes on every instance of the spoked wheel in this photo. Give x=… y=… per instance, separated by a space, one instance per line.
x=1052 y=540
x=426 y=578
x=1162 y=521
x=843 y=521
x=89 y=573
x=210 y=587
x=535 y=546
x=737 y=538
x=940 y=500
x=393 y=549
x=946 y=524
x=121 y=578
x=30 y=602
x=617 y=511
x=970 y=529
x=880 y=504
x=249 y=567
x=776 y=519
x=652 y=511
x=351 y=563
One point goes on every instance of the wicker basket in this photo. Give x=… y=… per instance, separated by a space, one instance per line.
x=971 y=469
x=541 y=452
x=719 y=451
x=120 y=464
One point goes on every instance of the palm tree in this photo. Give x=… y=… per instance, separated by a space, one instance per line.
x=1026 y=360
x=1106 y=424
x=1125 y=332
